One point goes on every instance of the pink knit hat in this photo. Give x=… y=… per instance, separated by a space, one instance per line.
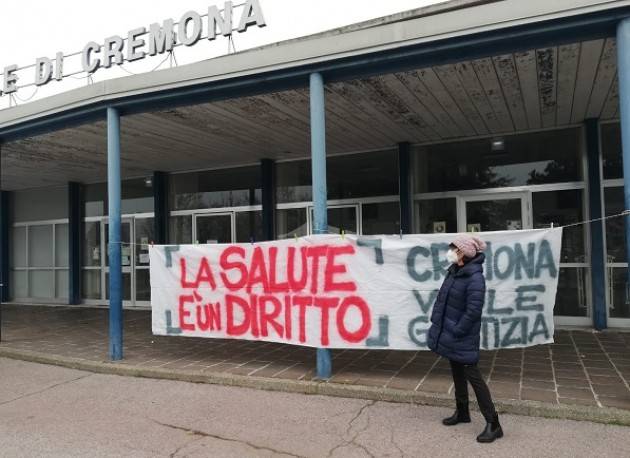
x=469 y=244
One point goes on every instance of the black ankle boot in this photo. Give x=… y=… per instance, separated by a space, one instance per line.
x=492 y=431
x=461 y=415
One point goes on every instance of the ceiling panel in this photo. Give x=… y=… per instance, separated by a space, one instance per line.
x=548 y=87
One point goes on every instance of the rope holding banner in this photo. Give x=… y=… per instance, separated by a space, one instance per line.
x=343 y=232
x=623 y=213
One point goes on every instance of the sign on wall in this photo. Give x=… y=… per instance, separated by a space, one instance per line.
x=350 y=292
x=142 y=42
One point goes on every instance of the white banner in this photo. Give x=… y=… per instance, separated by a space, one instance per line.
x=350 y=292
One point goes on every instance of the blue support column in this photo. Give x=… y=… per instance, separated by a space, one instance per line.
x=598 y=250
x=268 y=173
x=115 y=266
x=623 y=73
x=160 y=207
x=75 y=238
x=404 y=188
x=320 y=194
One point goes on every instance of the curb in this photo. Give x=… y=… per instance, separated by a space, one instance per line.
x=604 y=415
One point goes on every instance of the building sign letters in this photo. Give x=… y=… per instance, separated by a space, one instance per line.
x=140 y=42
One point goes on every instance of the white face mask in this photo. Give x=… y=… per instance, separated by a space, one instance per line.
x=451 y=256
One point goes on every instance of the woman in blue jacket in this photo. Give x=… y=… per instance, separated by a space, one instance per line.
x=455 y=328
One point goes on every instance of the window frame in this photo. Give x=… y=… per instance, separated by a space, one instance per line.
x=53 y=268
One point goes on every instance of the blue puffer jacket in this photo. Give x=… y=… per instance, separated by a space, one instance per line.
x=456 y=317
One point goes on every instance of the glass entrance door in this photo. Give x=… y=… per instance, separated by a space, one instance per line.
x=495 y=213
x=214 y=228
x=136 y=234
x=143 y=230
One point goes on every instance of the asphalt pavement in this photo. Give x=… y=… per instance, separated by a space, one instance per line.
x=48 y=411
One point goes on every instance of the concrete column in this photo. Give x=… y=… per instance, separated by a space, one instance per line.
x=623 y=73
x=268 y=173
x=5 y=226
x=320 y=194
x=598 y=249
x=75 y=239
x=115 y=266
x=404 y=188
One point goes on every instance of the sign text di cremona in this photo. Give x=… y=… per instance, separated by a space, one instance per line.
x=142 y=42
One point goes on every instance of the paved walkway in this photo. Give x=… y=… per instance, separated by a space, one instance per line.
x=581 y=368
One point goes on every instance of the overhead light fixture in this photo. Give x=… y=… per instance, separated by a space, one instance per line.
x=498 y=144
x=148 y=182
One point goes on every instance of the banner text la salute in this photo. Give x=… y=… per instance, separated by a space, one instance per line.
x=351 y=292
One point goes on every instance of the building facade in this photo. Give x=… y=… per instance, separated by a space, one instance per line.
x=466 y=116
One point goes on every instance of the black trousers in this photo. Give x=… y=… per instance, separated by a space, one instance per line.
x=463 y=373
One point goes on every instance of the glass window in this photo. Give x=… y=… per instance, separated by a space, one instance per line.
x=144 y=233
x=92 y=243
x=362 y=175
x=214 y=228
x=38 y=280
x=535 y=158
x=136 y=197
x=91 y=284
x=437 y=216
x=180 y=229
x=381 y=218
x=249 y=226
x=615 y=227
x=41 y=284
x=95 y=199
x=216 y=188
x=18 y=247
x=494 y=215
x=40 y=246
x=61 y=245
x=348 y=176
x=562 y=208
x=291 y=222
x=61 y=284
x=340 y=219
x=618 y=300
x=19 y=285
x=40 y=204
x=144 y=237
x=143 y=285
x=611 y=151
x=572 y=296
x=293 y=182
